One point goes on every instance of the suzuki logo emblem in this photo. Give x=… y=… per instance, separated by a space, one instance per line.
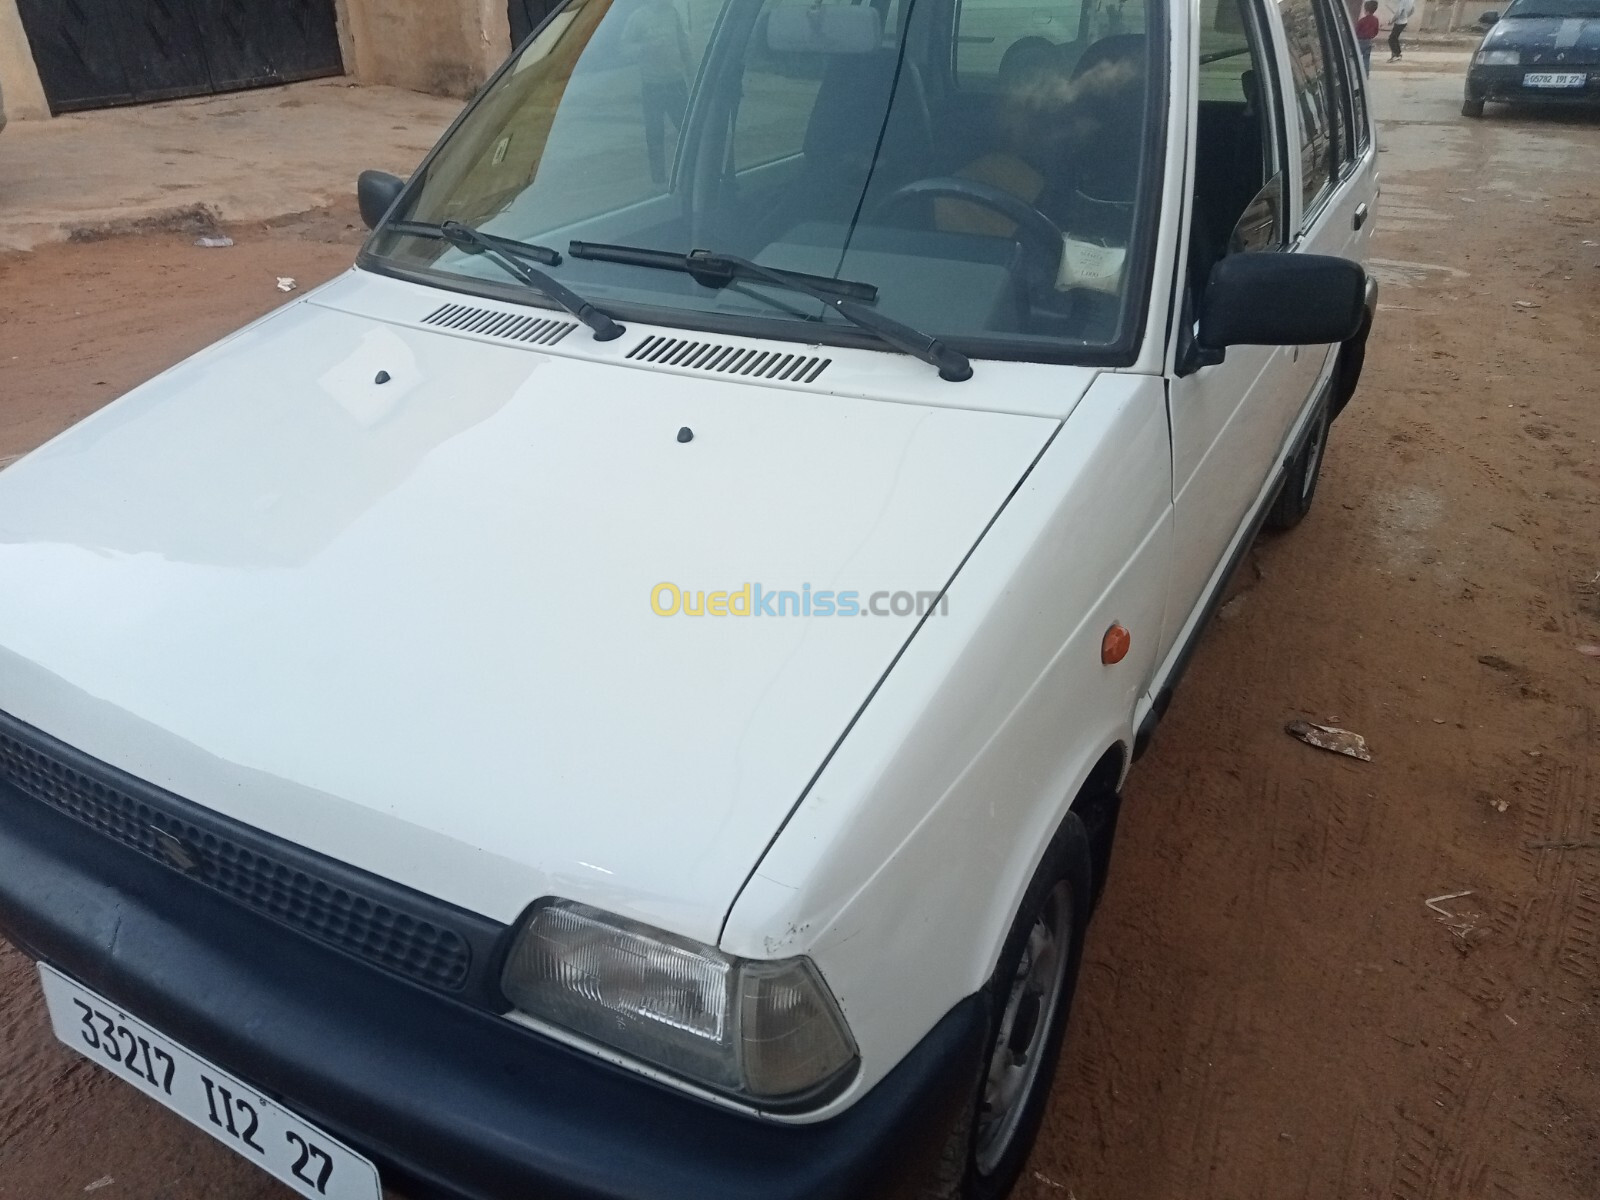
x=176 y=851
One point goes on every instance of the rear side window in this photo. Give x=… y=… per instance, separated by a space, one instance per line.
x=1355 y=86
x=1321 y=113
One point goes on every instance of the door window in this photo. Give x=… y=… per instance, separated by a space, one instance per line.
x=1320 y=116
x=1354 y=86
x=1238 y=196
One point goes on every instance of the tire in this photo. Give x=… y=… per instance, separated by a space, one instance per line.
x=1471 y=107
x=1300 y=482
x=1029 y=997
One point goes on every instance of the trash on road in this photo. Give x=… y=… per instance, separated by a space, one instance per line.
x=1591 y=650
x=286 y=284
x=1437 y=901
x=214 y=241
x=1330 y=737
x=1461 y=926
x=1528 y=304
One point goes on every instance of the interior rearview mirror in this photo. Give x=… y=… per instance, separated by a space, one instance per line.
x=376 y=192
x=1281 y=299
x=1488 y=18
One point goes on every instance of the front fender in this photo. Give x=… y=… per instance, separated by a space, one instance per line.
x=901 y=870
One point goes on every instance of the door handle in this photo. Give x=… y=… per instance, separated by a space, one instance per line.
x=1360 y=218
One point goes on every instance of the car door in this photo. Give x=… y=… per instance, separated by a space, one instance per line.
x=1229 y=414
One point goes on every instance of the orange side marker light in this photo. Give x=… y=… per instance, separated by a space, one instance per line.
x=1114 y=646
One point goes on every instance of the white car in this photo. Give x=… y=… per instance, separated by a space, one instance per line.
x=625 y=692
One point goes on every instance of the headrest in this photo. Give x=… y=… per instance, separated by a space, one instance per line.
x=1121 y=48
x=834 y=29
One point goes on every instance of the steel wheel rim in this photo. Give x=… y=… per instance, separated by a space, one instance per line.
x=1032 y=1003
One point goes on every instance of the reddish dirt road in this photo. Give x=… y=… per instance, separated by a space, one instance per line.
x=1268 y=1008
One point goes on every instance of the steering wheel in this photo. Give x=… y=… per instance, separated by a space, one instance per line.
x=1037 y=232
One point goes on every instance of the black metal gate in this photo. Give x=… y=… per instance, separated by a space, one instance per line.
x=95 y=53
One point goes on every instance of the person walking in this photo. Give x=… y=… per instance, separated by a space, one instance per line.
x=1399 y=17
x=1367 y=27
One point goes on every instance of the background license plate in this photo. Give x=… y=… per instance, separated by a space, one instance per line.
x=302 y=1156
x=1553 y=79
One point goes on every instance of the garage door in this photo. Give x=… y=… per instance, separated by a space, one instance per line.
x=95 y=53
x=526 y=16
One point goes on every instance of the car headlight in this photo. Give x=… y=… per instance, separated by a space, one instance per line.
x=760 y=1030
x=1499 y=58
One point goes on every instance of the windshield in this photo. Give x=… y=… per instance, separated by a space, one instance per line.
x=1553 y=8
x=981 y=164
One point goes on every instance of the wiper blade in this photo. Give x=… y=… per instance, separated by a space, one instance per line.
x=718 y=270
x=715 y=270
x=509 y=254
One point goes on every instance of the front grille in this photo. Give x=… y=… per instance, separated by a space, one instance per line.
x=315 y=896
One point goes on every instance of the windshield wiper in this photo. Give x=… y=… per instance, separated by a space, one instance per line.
x=510 y=255
x=715 y=270
x=718 y=270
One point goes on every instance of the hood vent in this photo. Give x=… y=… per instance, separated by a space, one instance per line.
x=716 y=359
x=489 y=322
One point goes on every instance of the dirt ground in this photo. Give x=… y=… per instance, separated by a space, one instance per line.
x=1268 y=1007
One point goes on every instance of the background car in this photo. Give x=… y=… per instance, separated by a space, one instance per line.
x=1537 y=50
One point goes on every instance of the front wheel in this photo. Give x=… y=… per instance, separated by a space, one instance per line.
x=1029 y=995
x=1300 y=482
x=1471 y=107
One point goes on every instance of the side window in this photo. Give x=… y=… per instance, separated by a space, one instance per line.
x=1355 y=85
x=1239 y=194
x=1319 y=115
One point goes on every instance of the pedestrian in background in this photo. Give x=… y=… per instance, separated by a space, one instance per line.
x=1399 y=17
x=1367 y=27
x=654 y=38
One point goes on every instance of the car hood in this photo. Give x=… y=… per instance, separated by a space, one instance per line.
x=1571 y=40
x=409 y=624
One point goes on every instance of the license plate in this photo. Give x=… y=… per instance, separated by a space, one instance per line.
x=1549 y=79
x=298 y=1154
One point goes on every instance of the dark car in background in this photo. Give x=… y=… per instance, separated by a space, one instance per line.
x=1537 y=50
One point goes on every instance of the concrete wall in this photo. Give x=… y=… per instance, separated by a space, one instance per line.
x=19 y=78
x=447 y=47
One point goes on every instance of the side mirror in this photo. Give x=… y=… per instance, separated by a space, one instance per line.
x=1282 y=299
x=376 y=192
x=1488 y=18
